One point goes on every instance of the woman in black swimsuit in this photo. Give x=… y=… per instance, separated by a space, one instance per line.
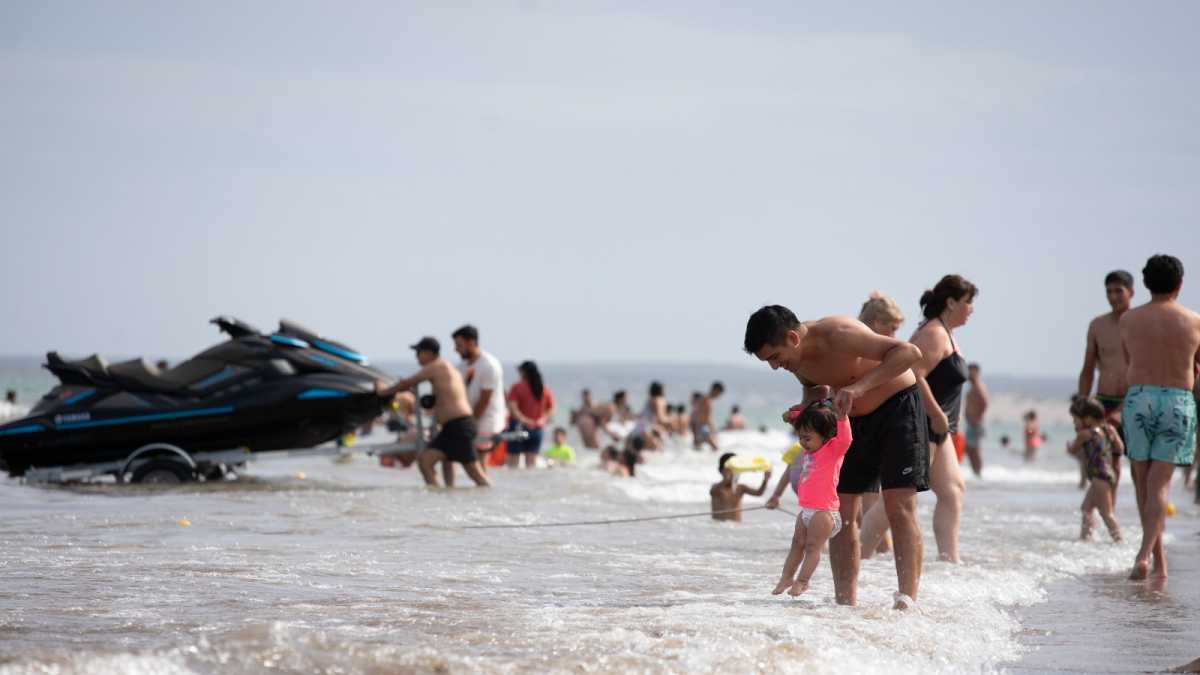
x=941 y=373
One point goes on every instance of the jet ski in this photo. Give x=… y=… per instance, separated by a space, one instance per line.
x=287 y=389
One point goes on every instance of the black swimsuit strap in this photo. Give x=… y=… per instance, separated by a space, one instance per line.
x=949 y=335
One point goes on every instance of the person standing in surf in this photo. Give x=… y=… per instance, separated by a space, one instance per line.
x=1104 y=353
x=875 y=386
x=941 y=374
x=1162 y=344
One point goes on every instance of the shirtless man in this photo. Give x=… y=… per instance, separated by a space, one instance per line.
x=977 y=403
x=704 y=431
x=1162 y=345
x=1104 y=352
x=455 y=441
x=874 y=383
x=727 y=495
x=586 y=420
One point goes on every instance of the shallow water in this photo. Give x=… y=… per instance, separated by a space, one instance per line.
x=312 y=566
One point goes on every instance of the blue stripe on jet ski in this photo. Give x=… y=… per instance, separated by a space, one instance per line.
x=215 y=378
x=323 y=360
x=223 y=410
x=79 y=397
x=289 y=341
x=27 y=429
x=344 y=353
x=322 y=393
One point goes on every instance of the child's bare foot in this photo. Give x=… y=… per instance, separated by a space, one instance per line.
x=799 y=587
x=1141 y=568
x=782 y=586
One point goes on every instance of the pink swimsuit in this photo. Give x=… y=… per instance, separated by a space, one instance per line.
x=819 y=471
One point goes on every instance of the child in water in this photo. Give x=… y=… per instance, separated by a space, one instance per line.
x=726 y=495
x=1097 y=444
x=825 y=438
x=560 y=454
x=1033 y=436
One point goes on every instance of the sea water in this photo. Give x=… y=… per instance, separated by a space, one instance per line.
x=305 y=565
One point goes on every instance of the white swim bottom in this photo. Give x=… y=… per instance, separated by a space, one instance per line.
x=806 y=515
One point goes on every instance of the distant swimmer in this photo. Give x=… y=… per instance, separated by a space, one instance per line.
x=726 y=494
x=455 y=440
x=10 y=397
x=1162 y=344
x=873 y=382
x=705 y=431
x=825 y=436
x=560 y=454
x=652 y=423
x=977 y=404
x=736 y=421
x=1098 y=443
x=1033 y=435
x=1105 y=354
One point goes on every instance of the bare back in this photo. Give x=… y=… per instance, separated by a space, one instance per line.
x=449 y=391
x=1104 y=342
x=828 y=360
x=1162 y=341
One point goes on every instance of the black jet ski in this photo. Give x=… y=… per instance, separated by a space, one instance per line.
x=287 y=389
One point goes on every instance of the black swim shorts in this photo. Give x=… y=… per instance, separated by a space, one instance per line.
x=456 y=440
x=890 y=447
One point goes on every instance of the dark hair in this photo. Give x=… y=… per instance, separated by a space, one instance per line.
x=768 y=326
x=619 y=395
x=1031 y=414
x=718 y=386
x=586 y=392
x=1119 y=277
x=656 y=389
x=630 y=459
x=610 y=452
x=560 y=430
x=696 y=396
x=467 y=332
x=532 y=375
x=819 y=418
x=721 y=462
x=973 y=366
x=638 y=443
x=736 y=410
x=1163 y=274
x=933 y=302
x=1087 y=407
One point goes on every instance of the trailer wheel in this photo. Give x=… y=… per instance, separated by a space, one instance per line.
x=163 y=472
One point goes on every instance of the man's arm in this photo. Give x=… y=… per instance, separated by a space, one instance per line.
x=937 y=417
x=1090 y=357
x=485 y=397
x=405 y=384
x=894 y=356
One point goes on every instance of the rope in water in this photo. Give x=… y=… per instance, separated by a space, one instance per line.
x=616 y=521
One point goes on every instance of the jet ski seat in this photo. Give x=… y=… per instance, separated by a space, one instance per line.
x=142 y=374
x=94 y=364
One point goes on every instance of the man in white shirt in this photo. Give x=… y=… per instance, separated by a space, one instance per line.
x=485 y=386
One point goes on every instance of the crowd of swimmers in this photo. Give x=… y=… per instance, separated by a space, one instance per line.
x=878 y=416
x=879 y=421
x=479 y=422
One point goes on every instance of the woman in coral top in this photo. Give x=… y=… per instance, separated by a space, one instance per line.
x=531 y=407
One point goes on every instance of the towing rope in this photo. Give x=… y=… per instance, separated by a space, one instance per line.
x=615 y=521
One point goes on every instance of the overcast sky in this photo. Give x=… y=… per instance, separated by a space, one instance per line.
x=604 y=182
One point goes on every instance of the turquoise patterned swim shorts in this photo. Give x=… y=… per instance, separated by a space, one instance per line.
x=1160 y=424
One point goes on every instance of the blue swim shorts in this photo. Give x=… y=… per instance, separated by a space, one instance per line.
x=1160 y=424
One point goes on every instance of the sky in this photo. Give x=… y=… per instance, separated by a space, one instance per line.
x=616 y=181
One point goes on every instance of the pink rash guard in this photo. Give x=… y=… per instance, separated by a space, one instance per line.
x=819 y=471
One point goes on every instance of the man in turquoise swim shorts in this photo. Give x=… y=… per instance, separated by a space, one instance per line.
x=1162 y=341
